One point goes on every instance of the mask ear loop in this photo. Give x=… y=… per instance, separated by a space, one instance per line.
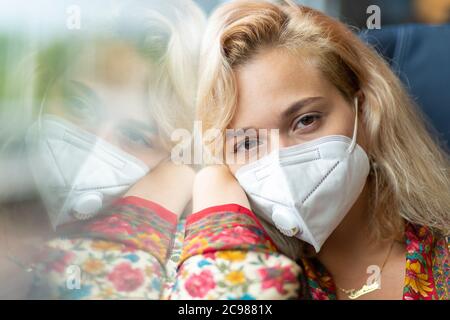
x=355 y=128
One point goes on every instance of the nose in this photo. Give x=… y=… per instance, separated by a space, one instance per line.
x=106 y=132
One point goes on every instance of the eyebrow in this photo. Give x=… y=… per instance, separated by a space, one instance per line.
x=84 y=89
x=296 y=106
x=231 y=132
x=129 y=122
x=141 y=125
x=292 y=109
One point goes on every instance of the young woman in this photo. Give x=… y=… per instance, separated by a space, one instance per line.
x=105 y=102
x=354 y=180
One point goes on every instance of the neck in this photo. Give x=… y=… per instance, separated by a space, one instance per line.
x=351 y=240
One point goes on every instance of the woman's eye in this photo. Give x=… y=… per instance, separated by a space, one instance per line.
x=306 y=121
x=246 y=144
x=135 y=138
x=79 y=108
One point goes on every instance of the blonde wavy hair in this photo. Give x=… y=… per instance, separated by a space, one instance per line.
x=166 y=34
x=412 y=172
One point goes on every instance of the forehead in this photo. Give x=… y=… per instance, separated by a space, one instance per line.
x=116 y=74
x=114 y=64
x=272 y=81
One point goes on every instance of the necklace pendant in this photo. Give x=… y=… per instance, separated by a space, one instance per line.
x=355 y=294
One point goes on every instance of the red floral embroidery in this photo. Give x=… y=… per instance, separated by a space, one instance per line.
x=237 y=235
x=276 y=277
x=60 y=264
x=125 y=278
x=113 y=224
x=198 y=285
x=319 y=295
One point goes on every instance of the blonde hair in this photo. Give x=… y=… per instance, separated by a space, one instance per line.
x=167 y=35
x=412 y=181
x=164 y=36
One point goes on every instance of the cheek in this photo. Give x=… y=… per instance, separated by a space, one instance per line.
x=340 y=120
x=342 y=123
x=151 y=157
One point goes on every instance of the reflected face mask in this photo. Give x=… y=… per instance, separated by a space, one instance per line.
x=76 y=172
x=307 y=189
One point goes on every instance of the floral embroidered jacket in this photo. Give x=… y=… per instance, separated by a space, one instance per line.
x=138 y=250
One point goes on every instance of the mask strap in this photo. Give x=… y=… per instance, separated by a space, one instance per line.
x=355 y=128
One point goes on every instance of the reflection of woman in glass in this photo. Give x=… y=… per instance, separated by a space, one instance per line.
x=107 y=105
x=357 y=184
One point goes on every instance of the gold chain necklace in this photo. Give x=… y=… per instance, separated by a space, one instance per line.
x=355 y=294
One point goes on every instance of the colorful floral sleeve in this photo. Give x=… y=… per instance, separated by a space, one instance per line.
x=119 y=255
x=228 y=255
x=427 y=265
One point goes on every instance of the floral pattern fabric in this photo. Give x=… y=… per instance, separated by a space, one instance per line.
x=173 y=261
x=138 y=250
x=427 y=266
x=106 y=270
x=228 y=255
x=233 y=231
x=119 y=255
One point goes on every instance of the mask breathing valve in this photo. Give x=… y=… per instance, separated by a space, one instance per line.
x=285 y=222
x=87 y=205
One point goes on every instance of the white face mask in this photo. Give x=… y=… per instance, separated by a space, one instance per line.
x=76 y=172
x=307 y=189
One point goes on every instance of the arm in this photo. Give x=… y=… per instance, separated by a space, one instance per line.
x=24 y=228
x=121 y=254
x=227 y=254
